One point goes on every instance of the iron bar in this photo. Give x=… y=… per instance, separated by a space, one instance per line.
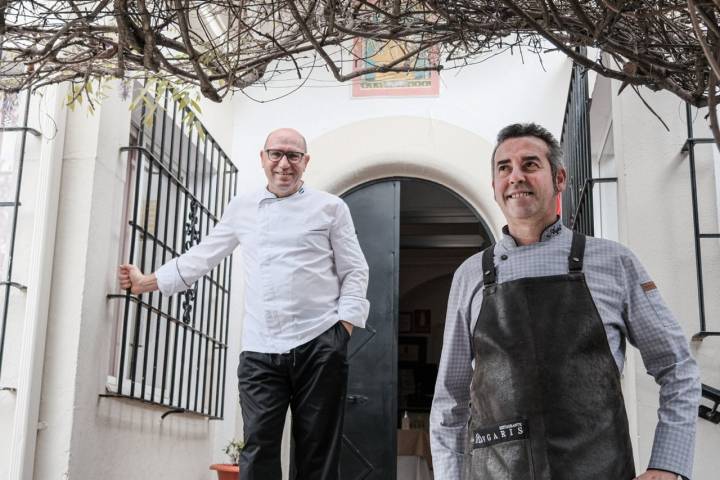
x=148 y=316
x=689 y=147
x=157 y=311
x=172 y=301
x=586 y=192
x=696 y=221
x=25 y=129
x=148 y=402
x=126 y=311
x=17 y=285
x=180 y=223
x=233 y=183
x=202 y=285
x=214 y=304
x=8 y=283
x=153 y=257
x=155 y=243
x=192 y=234
x=223 y=331
x=577 y=201
x=695 y=141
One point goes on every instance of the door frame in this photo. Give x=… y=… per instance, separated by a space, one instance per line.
x=400 y=178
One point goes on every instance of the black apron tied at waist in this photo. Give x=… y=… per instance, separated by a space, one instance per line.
x=546 y=402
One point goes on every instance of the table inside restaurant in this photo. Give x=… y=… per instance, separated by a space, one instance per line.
x=414 y=461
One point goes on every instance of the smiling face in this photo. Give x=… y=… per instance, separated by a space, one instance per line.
x=284 y=177
x=523 y=182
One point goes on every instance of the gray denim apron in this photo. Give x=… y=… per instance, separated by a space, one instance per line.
x=546 y=402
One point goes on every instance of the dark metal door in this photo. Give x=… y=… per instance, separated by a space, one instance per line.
x=369 y=434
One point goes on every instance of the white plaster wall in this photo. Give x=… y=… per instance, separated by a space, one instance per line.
x=415 y=147
x=88 y=436
x=655 y=221
x=16 y=307
x=218 y=119
x=479 y=98
x=605 y=208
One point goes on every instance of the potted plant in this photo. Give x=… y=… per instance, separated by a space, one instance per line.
x=230 y=471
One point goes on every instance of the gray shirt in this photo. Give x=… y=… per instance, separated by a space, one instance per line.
x=630 y=307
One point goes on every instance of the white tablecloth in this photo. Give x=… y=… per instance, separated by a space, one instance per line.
x=414 y=460
x=413 y=467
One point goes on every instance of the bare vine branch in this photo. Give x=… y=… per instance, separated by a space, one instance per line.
x=223 y=46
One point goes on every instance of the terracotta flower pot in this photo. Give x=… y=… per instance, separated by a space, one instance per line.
x=226 y=471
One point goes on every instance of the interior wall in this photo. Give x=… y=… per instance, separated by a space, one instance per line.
x=430 y=295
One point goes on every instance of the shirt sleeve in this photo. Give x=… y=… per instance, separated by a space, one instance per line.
x=181 y=272
x=451 y=403
x=351 y=267
x=655 y=331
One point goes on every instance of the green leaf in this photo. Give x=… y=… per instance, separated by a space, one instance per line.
x=200 y=129
x=148 y=120
x=137 y=100
x=160 y=90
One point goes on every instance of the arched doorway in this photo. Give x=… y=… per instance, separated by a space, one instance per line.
x=414 y=234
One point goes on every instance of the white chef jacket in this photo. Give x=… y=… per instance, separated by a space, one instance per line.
x=304 y=269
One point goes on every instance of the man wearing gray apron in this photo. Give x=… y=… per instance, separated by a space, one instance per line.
x=529 y=380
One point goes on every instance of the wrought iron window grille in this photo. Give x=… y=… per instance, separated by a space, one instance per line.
x=577 y=208
x=173 y=351
x=689 y=149
x=8 y=283
x=577 y=200
x=583 y=217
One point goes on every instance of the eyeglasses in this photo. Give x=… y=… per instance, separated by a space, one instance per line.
x=277 y=155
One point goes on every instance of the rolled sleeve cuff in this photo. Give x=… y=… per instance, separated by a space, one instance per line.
x=169 y=280
x=673 y=451
x=353 y=310
x=448 y=467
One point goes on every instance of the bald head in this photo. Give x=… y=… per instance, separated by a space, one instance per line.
x=287 y=136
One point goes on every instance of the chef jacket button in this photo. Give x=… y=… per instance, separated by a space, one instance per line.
x=503 y=257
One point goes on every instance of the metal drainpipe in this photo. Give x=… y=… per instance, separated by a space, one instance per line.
x=32 y=353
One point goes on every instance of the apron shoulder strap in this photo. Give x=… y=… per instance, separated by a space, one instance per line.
x=577 y=252
x=488 y=265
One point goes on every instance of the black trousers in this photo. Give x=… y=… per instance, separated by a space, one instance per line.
x=312 y=380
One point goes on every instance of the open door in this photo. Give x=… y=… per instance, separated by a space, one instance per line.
x=369 y=434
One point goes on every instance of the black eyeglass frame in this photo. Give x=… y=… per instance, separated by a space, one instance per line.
x=285 y=153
